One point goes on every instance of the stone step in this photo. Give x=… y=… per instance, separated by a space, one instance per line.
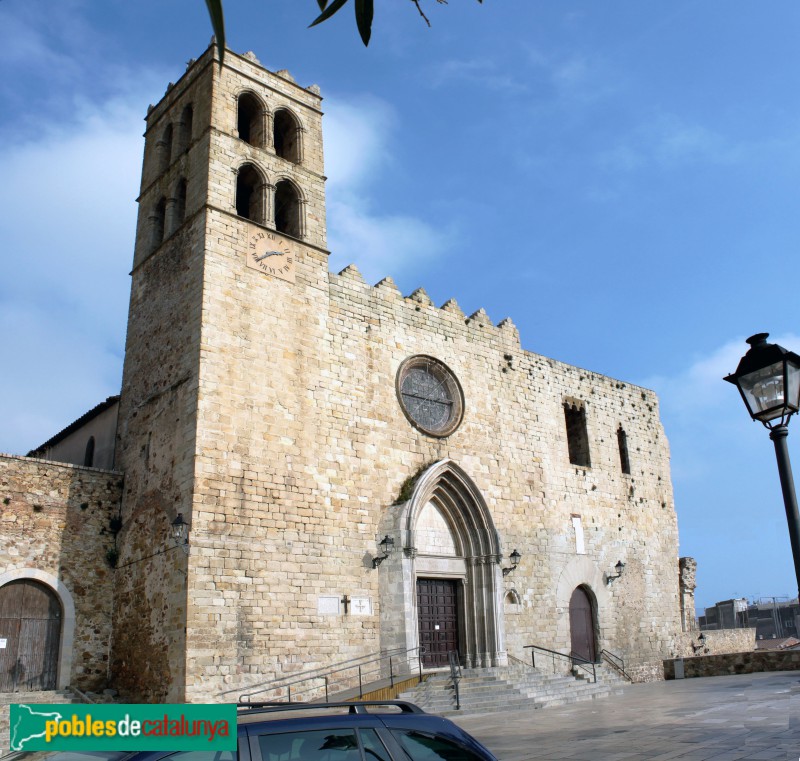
x=499 y=689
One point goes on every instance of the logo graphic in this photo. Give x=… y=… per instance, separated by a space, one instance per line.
x=122 y=727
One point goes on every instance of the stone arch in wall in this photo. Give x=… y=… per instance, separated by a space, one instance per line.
x=446 y=557
x=584 y=573
x=67 y=629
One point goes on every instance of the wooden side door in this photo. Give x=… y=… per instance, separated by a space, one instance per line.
x=30 y=624
x=437 y=606
x=581 y=625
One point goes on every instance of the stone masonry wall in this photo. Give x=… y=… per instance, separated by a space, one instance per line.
x=751 y=662
x=717 y=642
x=56 y=520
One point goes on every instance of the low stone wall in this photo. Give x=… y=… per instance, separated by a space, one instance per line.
x=717 y=642
x=735 y=663
x=651 y=671
x=56 y=529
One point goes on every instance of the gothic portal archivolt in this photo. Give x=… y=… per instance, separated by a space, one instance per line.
x=445 y=532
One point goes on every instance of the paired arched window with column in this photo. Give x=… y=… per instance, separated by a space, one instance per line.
x=168 y=214
x=283 y=208
x=282 y=132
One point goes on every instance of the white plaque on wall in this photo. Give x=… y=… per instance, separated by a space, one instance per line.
x=361 y=606
x=328 y=606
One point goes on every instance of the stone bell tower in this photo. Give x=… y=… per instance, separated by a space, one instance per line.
x=230 y=265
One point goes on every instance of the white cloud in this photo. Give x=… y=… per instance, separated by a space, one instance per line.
x=357 y=133
x=477 y=72
x=668 y=141
x=67 y=241
x=380 y=243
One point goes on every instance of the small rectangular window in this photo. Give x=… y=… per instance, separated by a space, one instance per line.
x=577 y=436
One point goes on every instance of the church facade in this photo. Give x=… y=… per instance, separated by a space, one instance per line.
x=359 y=470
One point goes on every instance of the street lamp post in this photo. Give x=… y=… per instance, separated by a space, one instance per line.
x=768 y=378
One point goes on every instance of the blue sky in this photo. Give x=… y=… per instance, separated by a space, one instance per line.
x=621 y=179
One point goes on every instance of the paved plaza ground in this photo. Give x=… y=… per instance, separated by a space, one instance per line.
x=752 y=716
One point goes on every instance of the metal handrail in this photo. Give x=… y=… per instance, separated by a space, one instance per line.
x=617 y=662
x=575 y=660
x=315 y=676
x=455 y=674
x=581 y=662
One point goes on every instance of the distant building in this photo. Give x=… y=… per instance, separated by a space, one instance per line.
x=772 y=619
x=89 y=441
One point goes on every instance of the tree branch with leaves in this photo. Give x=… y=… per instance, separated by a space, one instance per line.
x=364 y=10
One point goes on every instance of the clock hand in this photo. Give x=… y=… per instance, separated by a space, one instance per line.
x=269 y=253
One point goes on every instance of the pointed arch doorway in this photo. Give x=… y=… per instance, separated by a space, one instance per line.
x=446 y=574
x=581 y=625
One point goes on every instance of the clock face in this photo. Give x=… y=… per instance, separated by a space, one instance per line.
x=430 y=395
x=269 y=252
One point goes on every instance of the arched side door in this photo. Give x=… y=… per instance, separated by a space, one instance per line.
x=581 y=625
x=30 y=632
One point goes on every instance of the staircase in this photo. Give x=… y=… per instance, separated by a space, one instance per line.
x=509 y=688
x=48 y=696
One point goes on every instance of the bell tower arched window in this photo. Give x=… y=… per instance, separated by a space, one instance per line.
x=250 y=120
x=165 y=149
x=286 y=136
x=250 y=201
x=185 y=129
x=157 y=223
x=180 y=202
x=288 y=216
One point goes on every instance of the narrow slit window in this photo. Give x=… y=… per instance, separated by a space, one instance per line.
x=88 y=457
x=624 y=459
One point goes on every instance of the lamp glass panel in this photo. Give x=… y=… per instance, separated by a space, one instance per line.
x=764 y=392
x=179 y=531
x=793 y=395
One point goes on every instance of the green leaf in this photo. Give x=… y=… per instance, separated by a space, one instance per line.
x=328 y=12
x=364 y=13
x=218 y=24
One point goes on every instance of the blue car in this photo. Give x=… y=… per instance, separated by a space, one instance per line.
x=351 y=731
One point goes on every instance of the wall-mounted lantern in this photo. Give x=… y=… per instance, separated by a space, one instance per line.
x=386 y=545
x=179 y=530
x=619 y=568
x=514 y=557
